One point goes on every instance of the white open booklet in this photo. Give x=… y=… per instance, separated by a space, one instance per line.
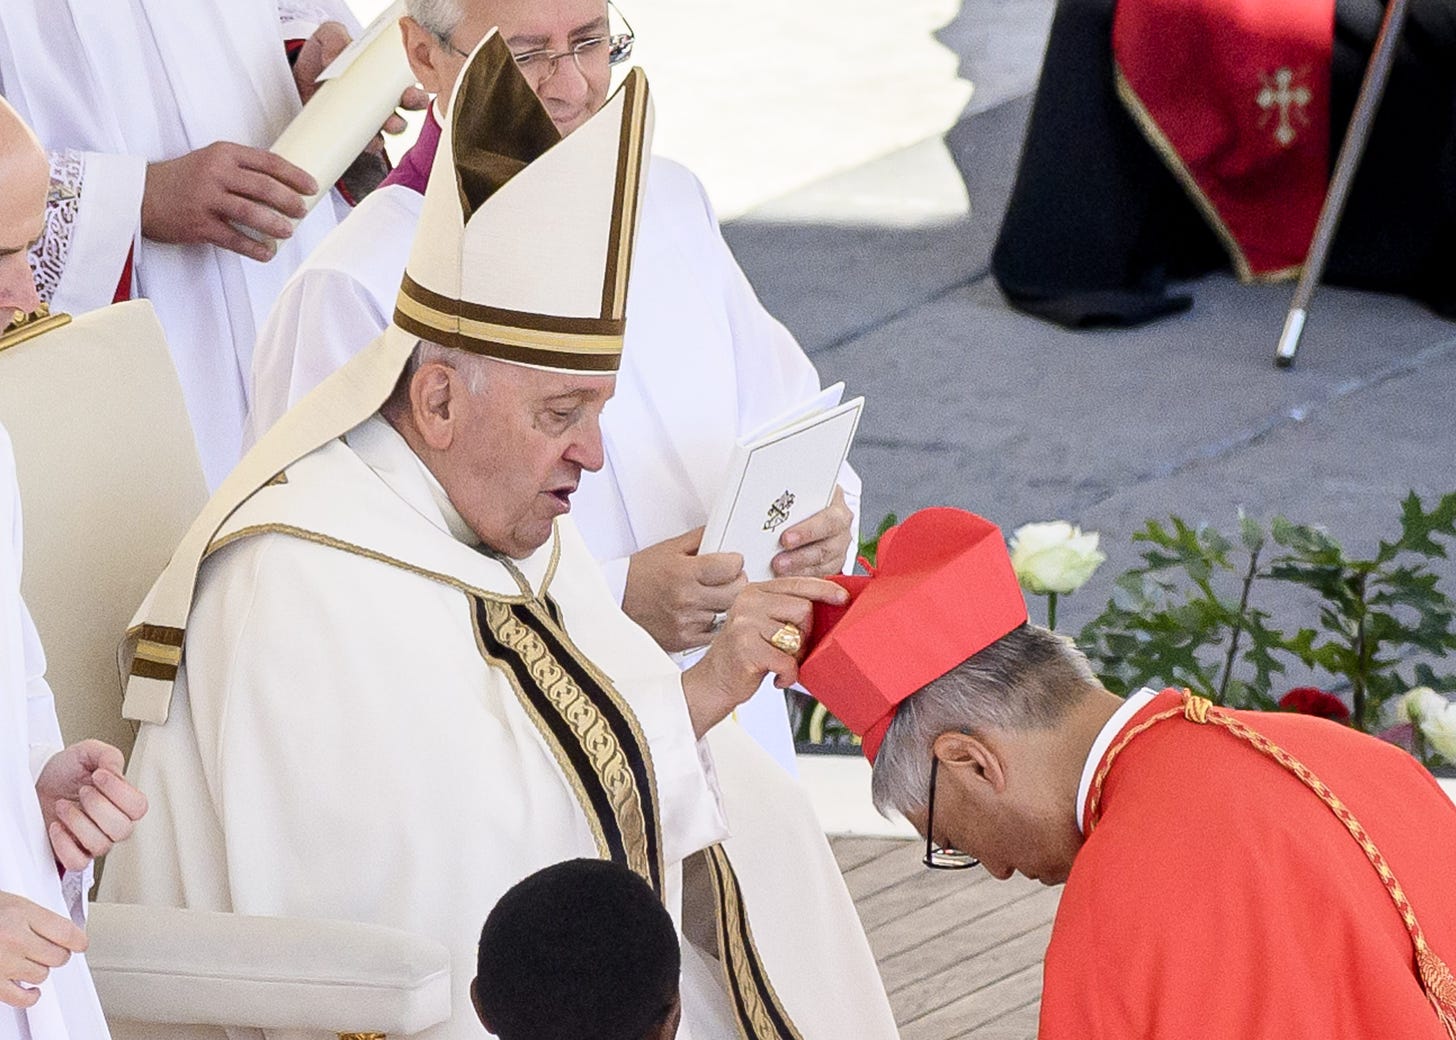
x=781 y=473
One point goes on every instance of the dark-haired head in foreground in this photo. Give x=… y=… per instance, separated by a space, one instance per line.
x=582 y=950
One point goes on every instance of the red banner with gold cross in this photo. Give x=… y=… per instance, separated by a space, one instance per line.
x=1235 y=96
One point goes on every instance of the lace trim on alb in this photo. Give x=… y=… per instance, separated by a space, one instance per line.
x=49 y=254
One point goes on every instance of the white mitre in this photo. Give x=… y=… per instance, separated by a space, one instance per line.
x=522 y=254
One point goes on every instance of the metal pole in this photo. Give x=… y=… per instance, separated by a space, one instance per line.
x=1366 y=106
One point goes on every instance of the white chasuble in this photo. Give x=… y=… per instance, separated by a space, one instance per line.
x=29 y=735
x=111 y=85
x=704 y=364
x=376 y=721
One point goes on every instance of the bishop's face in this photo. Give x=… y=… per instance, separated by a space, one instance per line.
x=571 y=90
x=520 y=445
x=24 y=181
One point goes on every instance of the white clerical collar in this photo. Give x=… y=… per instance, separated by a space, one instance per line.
x=387 y=453
x=1115 y=725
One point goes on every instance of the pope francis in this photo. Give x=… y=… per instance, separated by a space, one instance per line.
x=383 y=679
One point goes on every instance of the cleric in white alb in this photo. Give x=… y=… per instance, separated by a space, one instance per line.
x=704 y=362
x=157 y=114
x=54 y=804
x=59 y=807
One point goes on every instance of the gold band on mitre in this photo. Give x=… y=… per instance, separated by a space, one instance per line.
x=538 y=340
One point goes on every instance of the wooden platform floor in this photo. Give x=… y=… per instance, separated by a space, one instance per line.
x=960 y=952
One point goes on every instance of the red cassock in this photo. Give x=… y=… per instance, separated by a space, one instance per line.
x=1218 y=896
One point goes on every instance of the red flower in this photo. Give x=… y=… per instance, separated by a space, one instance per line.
x=1309 y=700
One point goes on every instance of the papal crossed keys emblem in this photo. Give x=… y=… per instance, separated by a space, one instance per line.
x=778 y=513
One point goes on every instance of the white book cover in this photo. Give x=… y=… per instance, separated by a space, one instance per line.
x=783 y=474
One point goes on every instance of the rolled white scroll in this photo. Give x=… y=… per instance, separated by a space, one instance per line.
x=359 y=91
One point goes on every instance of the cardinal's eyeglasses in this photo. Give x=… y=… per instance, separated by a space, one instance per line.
x=941 y=857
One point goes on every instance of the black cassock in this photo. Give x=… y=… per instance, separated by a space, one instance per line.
x=1097 y=225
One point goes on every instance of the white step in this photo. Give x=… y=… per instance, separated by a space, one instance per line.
x=839 y=788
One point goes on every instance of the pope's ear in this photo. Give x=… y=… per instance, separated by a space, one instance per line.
x=432 y=404
x=422 y=48
x=970 y=760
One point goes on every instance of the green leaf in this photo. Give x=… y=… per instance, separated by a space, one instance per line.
x=1425 y=675
x=1187 y=611
x=1418 y=526
x=869 y=548
x=1312 y=545
x=1251 y=532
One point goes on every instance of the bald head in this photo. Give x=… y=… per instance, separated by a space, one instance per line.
x=24 y=181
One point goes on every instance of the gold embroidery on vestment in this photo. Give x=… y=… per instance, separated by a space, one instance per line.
x=740 y=957
x=634 y=725
x=558 y=753
x=359 y=550
x=608 y=758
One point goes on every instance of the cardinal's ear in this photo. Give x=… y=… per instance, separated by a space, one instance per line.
x=968 y=759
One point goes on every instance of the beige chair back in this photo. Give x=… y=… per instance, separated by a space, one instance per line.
x=109 y=481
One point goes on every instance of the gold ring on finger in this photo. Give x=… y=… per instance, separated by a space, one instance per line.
x=788 y=639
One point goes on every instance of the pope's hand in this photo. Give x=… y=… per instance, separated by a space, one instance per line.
x=200 y=196
x=817 y=547
x=32 y=942
x=742 y=653
x=88 y=806
x=318 y=53
x=676 y=595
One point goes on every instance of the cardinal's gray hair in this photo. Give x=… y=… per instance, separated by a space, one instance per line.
x=1026 y=680
x=437 y=16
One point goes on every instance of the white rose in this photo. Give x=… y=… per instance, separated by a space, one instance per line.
x=1421 y=703
x=1439 y=727
x=1054 y=557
